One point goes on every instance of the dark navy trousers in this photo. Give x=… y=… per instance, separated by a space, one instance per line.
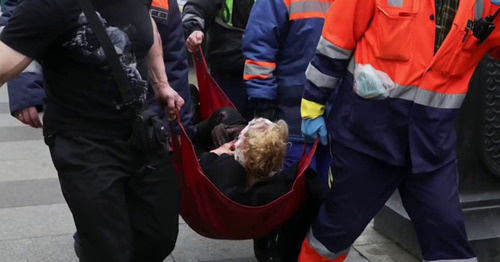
x=233 y=86
x=361 y=186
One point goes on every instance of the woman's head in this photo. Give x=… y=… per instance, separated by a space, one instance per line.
x=261 y=147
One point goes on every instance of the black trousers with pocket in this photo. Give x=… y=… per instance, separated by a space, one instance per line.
x=125 y=203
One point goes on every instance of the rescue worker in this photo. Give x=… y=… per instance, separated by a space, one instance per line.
x=224 y=21
x=26 y=92
x=167 y=16
x=279 y=41
x=402 y=69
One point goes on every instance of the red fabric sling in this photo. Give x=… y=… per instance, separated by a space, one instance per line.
x=206 y=210
x=211 y=96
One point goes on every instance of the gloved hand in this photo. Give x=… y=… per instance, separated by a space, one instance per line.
x=264 y=108
x=222 y=133
x=311 y=128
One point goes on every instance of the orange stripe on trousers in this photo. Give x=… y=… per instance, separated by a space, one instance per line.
x=308 y=254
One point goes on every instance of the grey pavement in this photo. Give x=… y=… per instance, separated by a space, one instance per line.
x=36 y=225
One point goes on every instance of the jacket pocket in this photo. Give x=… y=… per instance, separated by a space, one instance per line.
x=395 y=27
x=455 y=58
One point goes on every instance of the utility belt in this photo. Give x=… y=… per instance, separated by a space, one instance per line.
x=149 y=132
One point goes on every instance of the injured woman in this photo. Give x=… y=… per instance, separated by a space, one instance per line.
x=246 y=156
x=244 y=161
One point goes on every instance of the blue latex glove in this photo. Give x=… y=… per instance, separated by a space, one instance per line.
x=311 y=128
x=495 y=2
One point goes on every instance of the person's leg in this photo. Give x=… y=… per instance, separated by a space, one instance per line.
x=431 y=200
x=361 y=186
x=152 y=197
x=233 y=86
x=92 y=175
x=320 y=162
x=323 y=161
x=294 y=153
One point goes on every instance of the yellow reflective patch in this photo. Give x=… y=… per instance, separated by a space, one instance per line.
x=311 y=110
x=330 y=178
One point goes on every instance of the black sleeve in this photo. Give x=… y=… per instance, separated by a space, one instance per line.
x=206 y=161
x=34 y=26
x=224 y=172
x=199 y=15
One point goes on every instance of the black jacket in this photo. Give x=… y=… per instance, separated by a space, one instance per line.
x=229 y=177
x=224 y=42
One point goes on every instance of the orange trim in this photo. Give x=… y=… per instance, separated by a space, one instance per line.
x=287 y=2
x=163 y=4
x=307 y=15
x=260 y=63
x=308 y=254
x=250 y=77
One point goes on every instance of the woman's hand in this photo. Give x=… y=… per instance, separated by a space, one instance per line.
x=227 y=148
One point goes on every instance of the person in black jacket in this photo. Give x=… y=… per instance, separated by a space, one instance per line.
x=224 y=21
x=245 y=164
x=124 y=206
x=26 y=91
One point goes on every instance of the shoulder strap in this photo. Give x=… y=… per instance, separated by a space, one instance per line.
x=113 y=60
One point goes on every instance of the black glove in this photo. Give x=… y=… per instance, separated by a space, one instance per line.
x=264 y=108
x=223 y=133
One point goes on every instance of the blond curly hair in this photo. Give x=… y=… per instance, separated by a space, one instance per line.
x=264 y=147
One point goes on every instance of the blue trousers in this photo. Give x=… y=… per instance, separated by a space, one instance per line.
x=320 y=162
x=361 y=186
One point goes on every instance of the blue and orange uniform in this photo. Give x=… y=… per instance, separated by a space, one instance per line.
x=392 y=121
x=279 y=41
x=167 y=16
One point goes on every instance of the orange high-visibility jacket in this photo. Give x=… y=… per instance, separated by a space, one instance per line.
x=396 y=38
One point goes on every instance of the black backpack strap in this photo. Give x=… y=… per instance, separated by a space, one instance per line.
x=119 y=74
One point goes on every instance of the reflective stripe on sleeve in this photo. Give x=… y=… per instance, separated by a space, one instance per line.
x=258 y=69
x=330 y=50
x=308 y=9
x=319 y=79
